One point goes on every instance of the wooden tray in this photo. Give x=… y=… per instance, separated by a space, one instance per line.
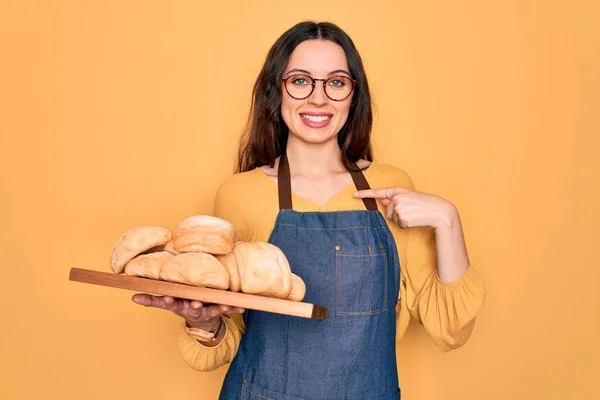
x=157 y=287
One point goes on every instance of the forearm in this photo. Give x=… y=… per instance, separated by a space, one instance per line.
x=452 y=257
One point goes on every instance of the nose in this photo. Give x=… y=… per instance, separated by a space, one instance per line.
x=318 y=96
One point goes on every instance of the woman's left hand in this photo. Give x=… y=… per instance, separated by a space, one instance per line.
x=411 y=208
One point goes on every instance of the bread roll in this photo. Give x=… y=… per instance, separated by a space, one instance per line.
x=148 y=265
x=198 y=269
x=263 y=269
x=169 y=247
x=228 y=260
x=135 y=242
x=203 y=233
x=298 y=288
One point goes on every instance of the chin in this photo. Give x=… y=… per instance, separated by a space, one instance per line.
x=316 y=137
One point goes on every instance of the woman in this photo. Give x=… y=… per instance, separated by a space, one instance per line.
x=306 y=182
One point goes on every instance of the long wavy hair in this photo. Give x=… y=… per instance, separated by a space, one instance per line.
x=266 y=133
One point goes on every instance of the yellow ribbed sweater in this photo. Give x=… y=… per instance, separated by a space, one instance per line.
x=447 y=310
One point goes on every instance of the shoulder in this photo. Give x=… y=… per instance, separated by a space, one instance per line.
x=245 y=192
x=387 y=175
x=249 y=201
x=239 y=184
x=236 y=190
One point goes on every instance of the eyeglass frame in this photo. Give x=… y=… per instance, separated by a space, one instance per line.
x=314 y=83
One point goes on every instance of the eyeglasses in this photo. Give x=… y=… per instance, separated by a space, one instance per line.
x=337 y=88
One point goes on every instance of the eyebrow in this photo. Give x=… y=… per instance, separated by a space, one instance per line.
x=303 y=71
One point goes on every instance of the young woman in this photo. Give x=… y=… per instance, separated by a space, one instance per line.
x=368 y=246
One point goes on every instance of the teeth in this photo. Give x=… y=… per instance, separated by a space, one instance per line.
x=315 y=118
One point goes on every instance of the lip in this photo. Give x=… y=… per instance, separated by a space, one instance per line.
x=313 y=124
x=316 y=113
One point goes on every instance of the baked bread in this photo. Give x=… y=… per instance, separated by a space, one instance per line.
x=263 y=269
x=136 y=241
x=148 y=265
x=169 y=247
x=298 y=288
x=197 y=269
x=204 y=233
x=229 y=261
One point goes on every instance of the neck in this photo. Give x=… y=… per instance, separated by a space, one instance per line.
x=307 y=159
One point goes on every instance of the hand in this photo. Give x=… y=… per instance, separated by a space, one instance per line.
x=197 y=314
x=410 y=208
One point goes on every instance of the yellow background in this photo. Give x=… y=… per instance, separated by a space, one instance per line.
x=115 y=114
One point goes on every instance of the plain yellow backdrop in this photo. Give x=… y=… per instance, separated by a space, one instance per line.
x=115 y=114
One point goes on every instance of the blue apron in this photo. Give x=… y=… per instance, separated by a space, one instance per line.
x=349 y=262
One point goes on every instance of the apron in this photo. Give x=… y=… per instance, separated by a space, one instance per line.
x=350 y=264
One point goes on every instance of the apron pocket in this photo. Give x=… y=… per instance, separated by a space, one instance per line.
x=361 y=280
x=250 y=391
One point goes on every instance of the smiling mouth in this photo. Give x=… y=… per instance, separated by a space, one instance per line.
x=316 y=118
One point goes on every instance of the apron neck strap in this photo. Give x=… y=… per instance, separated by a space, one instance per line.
x=284 y=183
x=361 y=184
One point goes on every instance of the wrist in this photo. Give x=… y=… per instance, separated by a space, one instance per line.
x=210 y=325
x=448 y=220
x=210 y=336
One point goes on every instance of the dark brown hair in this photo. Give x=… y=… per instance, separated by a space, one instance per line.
x=266 y=133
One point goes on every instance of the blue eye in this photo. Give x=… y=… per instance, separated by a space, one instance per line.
x=301 y=81
x=338 y=82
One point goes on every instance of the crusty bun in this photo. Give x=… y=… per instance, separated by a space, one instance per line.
x=135 y=242
x=169 y=247
x=229 y=261
x=203 y=233
x=298 y=288
x=148 y=265
x=198 y=269
x=263 y=269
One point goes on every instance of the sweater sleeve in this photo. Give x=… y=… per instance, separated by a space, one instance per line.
x=204 y=358
x=446 y=310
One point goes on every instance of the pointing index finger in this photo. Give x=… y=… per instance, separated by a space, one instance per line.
x=375 y=193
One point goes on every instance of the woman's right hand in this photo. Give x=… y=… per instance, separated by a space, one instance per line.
x=196 y=314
